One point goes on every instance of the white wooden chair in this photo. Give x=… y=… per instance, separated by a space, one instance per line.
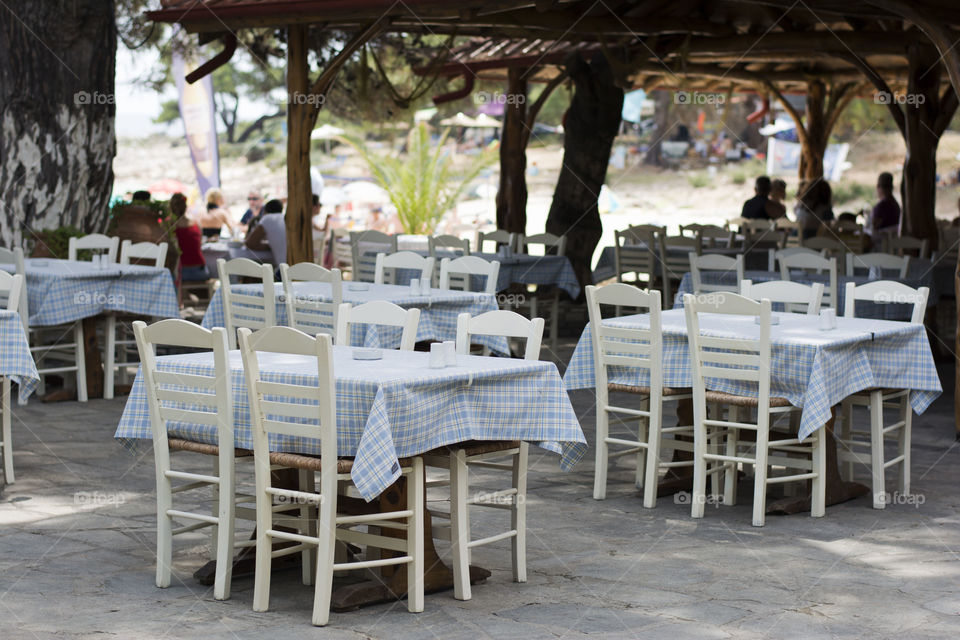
x=246 y=309
x=499 y=238
x=774 y=255
x=210 y=402
x=308 y=313
x=905 y=245
x=709 y=235
x=675 y=260
x=544 y=296
x=755 y=231
x=95 y=242
x=363 y=263
x=883 y=261
x=55 y=349
x=448 y=242
x=743 y=359
x=637 y=349
x=868 y=448
x=458 y=273
x=794 y=296
x=381 y=313
x=714 y=262
x=342 y=251
x=634 y=251
x=818 y=264
x=791 y=231
x=458 y=459
x=10 y=290
x=116 y=334
x=385 y=271
x=310 y=411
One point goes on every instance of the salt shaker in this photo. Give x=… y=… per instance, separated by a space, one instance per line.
x=437 y=359
x=450 y=353
x=415 y=286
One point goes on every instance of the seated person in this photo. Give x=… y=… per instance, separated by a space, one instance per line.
x=886 y=213
x=756 y=207
x=774 y=206
x=193 y=267
x=252 y=215
x=216 y=215
x=814 y=207
x=271 y=234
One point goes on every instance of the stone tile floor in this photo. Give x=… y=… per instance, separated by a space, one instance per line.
x=77 y=535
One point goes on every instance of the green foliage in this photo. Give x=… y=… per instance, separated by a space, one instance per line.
x=424 y=184
x=699 y=179
x=860 y=116
x=738 y=176
x=165 y=218
x=57 y=241
x=846 y=192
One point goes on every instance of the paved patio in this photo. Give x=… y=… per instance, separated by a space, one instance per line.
x=77 y=556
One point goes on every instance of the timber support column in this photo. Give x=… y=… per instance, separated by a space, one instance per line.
x=300 y=119
x=512 y=195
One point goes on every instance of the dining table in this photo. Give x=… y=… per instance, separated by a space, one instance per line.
x=439 y=309
x=388 y=409
x=66 y=291
x=813 y=368
x=16 y=363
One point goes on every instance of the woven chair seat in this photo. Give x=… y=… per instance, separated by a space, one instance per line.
x=476 y=447
x=310 y=463
x=628 y=388
x=179 y=444
x=743 y=401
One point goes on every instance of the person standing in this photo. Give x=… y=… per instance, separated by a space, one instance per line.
x=756 y=207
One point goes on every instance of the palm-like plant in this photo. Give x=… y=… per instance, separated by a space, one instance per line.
x=425 y=184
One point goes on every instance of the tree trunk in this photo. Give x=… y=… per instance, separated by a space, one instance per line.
x=57 y=110
x=591 y=124
x=920 y=164
x=300 y=119
x=811 y=154
x=512 y=195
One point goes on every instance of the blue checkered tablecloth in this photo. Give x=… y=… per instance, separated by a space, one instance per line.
x=920 y=275
x=813 y=369
x=438 y=311
x=61 y=291
x=394 y=407
x=16 y=362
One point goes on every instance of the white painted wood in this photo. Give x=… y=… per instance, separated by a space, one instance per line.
x=634 y=252
x=776 y=254
x=242 y=309
x=795 y=296
x=318 y=421
x=674 y=264
x=711 y=358
x=448 y=242
x=866 y=261
x=215 y=405
x=500 y=323
x=379 y=312
x=540 y=296
x=311 y=314
x=456 y=274
x=96 y=242
x=714 y=262
x=141 y=251
x=902 y=244
x=498 y=238
x=402 y=260
x=363 y=266
x=818 y=264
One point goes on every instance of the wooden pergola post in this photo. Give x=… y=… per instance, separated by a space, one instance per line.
x=300 y=120
x=512 y=195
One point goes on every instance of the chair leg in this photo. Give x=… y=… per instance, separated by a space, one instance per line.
x=518 y=514
x=603 y=452
x=326 y=544
x=224 y=530
x=109 y=356
x=306 y=525
x=643 y=435
x=760 y=478
x=554 y=320
x=415 y=533
x=6 y=433
x=818 y=487
x=903 y=442
x=846 y=427
x=698 y=498
x=261 y=577
x=876 y=450
x=730 y=474
x=460 y=525
x=81 y=361
x=164 y=530
x=654 y=441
